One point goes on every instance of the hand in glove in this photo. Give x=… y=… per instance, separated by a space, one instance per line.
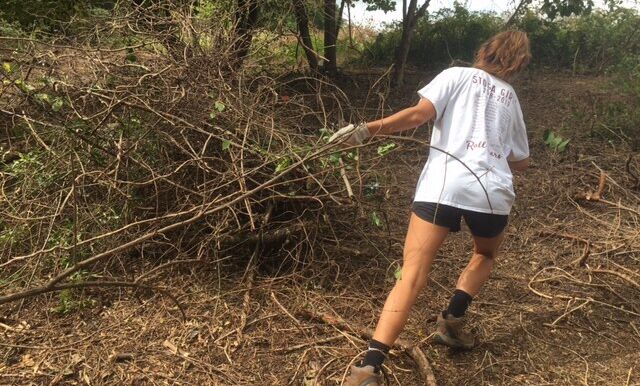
x=351 y=135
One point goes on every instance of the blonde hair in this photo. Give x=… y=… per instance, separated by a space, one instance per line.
x=505 y=54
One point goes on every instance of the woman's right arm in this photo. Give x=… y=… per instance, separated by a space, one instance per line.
x=406 y=119
x=519 y=166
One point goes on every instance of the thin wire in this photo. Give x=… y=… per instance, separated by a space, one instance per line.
x=470 y=171
x=486 y=194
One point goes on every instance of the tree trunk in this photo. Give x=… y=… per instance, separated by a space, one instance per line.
x=303 y=31
x=522 y=6
x=339 y=18
x=330 y=37
x=246 y=18
x=409 y=23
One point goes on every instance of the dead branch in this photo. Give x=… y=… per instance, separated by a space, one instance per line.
x=597 y=195
x=634 y=177
x=580 y=261
x=412 y=350
x=621 y=275
x=106 y=284
x=343 y=174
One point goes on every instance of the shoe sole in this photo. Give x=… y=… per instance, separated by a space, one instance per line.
x=449 y=342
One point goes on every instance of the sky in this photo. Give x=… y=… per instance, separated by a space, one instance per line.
x=359 y=14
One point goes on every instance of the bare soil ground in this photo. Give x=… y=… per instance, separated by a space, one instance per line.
x=543 y=319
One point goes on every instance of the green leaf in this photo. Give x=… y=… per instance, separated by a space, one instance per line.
x=398 y=273
x=375 y=219
x=563 y=145
x=226 y=144
x=282 y=165
x=6 y=66
x=555 y=141
x=42 y=98
x=335 y=159
x=24 y=86
x=325 y=133
x=385 y=149
x=549 y=137
x=57 y=104
x=219 y=106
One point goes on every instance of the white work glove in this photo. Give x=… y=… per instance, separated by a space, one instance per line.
x=351 y=135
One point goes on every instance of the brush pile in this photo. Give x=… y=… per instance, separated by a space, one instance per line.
x=153 y=148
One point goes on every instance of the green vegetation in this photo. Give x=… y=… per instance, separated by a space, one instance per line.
x=441 y=37
x=601 y=41
x=555 y=141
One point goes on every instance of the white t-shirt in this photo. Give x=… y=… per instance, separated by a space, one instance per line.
x=479 y=121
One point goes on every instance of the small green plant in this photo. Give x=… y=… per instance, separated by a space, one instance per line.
x=333 y=160
x=555 y=141
x=386 y=149
x=62 y=237
x=375 y=219
x=55 y=103
x=9 y=236
x=68 y=300
x=31 y=171
x=7 y=67
x=218 y=107
x=24 y=86
x=398 y=272
x=68 y=303
x=282 y=164
x=325 y=134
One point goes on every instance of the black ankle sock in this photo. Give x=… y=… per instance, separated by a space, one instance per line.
x=375 y=355
x=458 y=304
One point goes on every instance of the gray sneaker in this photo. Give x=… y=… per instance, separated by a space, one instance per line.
x=362 y=376
x=449 y=332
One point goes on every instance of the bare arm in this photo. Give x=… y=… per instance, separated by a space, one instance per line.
x=406 y=119
x=519 y=166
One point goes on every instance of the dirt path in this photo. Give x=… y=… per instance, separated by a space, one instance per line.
x=541 y=320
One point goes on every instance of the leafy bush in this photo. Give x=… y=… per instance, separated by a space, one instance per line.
x=590 y=43
x=595 y=42
x=47 y=15
x=448 y=34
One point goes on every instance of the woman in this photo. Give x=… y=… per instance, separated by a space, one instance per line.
x=478 y=138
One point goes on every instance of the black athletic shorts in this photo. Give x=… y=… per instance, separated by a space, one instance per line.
x=481 y=224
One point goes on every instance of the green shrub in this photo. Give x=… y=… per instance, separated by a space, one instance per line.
x=448 y=34
x=596 y=42
x=48 y=15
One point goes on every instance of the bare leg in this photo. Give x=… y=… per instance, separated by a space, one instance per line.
x=485 y=250
x=421 y=245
